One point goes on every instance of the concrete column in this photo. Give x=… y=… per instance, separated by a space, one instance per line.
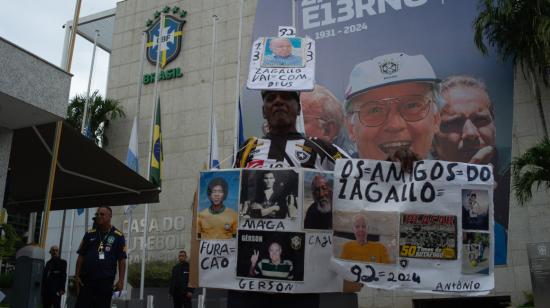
x=5 y=149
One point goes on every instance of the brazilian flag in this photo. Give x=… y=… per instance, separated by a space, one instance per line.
x=156 y=150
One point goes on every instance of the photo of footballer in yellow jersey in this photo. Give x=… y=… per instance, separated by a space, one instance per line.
x=217 y=217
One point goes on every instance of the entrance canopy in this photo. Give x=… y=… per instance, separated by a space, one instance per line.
x=86 y=175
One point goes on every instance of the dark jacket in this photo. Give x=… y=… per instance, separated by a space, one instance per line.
x=179 y=281
x=53 y=278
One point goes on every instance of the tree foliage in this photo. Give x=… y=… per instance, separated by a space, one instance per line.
x=531 y=168
x=518 y=29
x=9 y=241
x=100 y=112
x=157 y=274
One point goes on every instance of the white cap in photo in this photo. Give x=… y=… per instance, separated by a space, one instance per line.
x=388 y=69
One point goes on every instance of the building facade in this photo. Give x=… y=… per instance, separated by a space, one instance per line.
x=185 y=103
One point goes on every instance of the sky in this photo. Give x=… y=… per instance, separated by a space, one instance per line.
x=36 y=25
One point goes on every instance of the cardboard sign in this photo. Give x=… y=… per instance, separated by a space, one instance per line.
x=282 y=63
x=272 y=252
x=429 y=231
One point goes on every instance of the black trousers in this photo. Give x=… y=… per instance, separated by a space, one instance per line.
x=95 y=294
x=240 y=299
x=51 y=300
x=182 y=301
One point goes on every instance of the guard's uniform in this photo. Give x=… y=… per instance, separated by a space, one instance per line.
x=283 y=151
x=101 y=252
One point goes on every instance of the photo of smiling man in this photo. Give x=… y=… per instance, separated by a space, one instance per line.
x=392 y=104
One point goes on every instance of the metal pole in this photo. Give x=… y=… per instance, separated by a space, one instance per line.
x=32 y=227
x=49 y=193
x=138 y=108
x=73 y=35
x=238 y=84
x=85 y=116
x=213 y=69
x=293 y=13
x=62 y=231
x=160 y=42
x=128 y=255
x=140 y=78
x=69 y=252
x=87 y=103
x=66 y=42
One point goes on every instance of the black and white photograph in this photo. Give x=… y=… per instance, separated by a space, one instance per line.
x=269 y=194
x=475 y=209
x=318 y=200
x=271 y=255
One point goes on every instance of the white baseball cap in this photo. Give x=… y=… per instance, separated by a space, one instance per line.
x=388 y=69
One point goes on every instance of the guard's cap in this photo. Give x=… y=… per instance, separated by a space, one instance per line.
x=388 y=69
x=295 y=94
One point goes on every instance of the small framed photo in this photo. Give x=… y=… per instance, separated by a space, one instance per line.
x=283 y=52
x=217 y=212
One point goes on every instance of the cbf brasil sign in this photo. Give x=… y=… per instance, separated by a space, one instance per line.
x=169 y=45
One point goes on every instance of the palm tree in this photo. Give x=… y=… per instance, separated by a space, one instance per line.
x=531 y=167
x=520 y=31
x=100 y=112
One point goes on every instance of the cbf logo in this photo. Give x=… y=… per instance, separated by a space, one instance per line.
x=170 y=43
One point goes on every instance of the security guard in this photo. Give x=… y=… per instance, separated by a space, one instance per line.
x=101 y=250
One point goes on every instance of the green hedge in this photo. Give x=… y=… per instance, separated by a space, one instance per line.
x=157 y=274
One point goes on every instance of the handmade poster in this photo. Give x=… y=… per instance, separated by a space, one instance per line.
x=394 y=230
x=271 y=252
x=369 y=53
x=282 y=63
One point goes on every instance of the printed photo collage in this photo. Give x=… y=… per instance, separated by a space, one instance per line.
x=269 y=212
x=387 y=237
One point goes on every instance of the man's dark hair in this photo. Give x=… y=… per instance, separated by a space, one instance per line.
x=217 y=182
x=106 y=207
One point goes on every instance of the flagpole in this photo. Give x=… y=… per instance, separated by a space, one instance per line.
x=140 y=77
x=238 y=84
x=69 y=257
x=213 y=69
x=83 y=127
x=293 y=13
x=300 y=126
x=138 y=109
x=155 y=98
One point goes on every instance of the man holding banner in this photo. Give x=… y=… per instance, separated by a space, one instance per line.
x=283 y=146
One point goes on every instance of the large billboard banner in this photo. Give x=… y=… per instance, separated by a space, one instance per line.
x=401 y=74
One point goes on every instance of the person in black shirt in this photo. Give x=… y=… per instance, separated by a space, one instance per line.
x=53 y=280
x=179 y=289
x=102 y=249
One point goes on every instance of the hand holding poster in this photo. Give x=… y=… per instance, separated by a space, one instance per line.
x=282 y=63
x=428 y=231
